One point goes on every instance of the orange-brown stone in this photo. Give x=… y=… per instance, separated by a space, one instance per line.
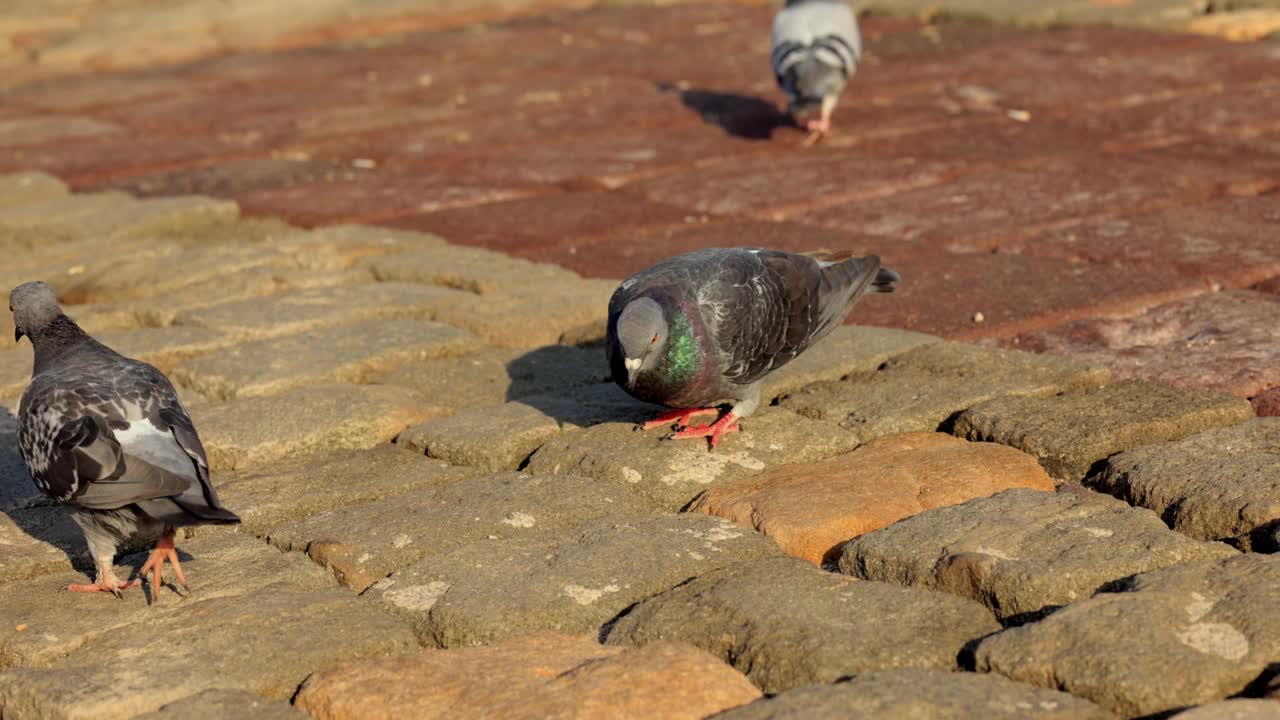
x=810 y=510
x=539 y=676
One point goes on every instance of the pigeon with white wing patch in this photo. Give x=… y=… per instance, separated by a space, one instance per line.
x=107 y=436
x=704 y=328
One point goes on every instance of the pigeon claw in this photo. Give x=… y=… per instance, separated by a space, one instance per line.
x=105 y=584
x=714 y=431
x=679 y=417
x=163 y=551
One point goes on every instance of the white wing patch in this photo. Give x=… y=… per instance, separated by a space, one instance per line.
x=148 y=442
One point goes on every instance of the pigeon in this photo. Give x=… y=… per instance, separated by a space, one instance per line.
x=703 y=329
x=816 y=48
x=107 y=436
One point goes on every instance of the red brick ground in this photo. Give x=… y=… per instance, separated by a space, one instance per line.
x=1035 y=177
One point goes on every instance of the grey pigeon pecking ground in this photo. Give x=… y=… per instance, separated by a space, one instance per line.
x=816 y=48
x=108 y=436
x=703 y=329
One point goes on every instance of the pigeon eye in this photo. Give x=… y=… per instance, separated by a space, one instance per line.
x=654 y=340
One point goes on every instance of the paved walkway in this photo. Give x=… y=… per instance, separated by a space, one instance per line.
x=1019 y=180
x=378 y=272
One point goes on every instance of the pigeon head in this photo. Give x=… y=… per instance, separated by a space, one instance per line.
x=34 y=307
x=642 y=333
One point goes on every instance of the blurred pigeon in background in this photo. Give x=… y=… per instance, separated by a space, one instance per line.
x=108 y=436
x=816 y=47
x=704 y=328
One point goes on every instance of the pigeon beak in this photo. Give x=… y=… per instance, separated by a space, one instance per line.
x=17 y=334
x=633 y=369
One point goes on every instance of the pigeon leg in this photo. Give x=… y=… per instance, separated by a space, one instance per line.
x=163 y=550
x=107 y=582
x=714 y=431
x=680 y=417
x=818 y=128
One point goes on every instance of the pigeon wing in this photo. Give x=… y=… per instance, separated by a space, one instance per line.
x=766 y=311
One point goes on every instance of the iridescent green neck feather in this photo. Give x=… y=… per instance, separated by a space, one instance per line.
x=684 y=355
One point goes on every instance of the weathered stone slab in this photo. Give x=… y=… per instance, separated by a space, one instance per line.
x=260 y=318
x=1225 y=341
x=494 y=438
x=920 y=694
x=38 y=541
x=163 y=347
x=293 y=488
x=29 y=187
x=572 y=581
x=583 y=406
x=248 y=431
x=786 y=623
x=811 y=510
x=221 y=704
x=49 y=623
x=848 y=350
x=1069 y=433
x=1221 y=484
x=1023 y=552
x=1207 y=630
x=265 y=645
x=919 y=391
x=492 y=376
x=343 y=353
x=475 y=270
x=671 y=472
x=1232 y=710
x=251 y=282
x=535 y=316
x=365 y=543
x=528 y=679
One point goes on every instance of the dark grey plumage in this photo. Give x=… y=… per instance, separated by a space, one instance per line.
x=108 y=436
x=704 y=328
x=816 y=49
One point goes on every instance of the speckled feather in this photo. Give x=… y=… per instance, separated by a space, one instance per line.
x=749 y=311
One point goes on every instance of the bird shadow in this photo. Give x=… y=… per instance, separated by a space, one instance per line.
x=743 y=116
x=572 y=385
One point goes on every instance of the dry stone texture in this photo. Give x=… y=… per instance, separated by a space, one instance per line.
x=786 y=623
x=1217 y=485
x=671 y=473
x=266 y=645
x=571 y=581
x=536 y=677
x=919 y=391
x=220 y=704
x=1023 y=552
x=1069 y=433
x=50 y=623
x=1224 y=341
x=493 y=438
x=271 y=495
x=920 y=694
x=364 y=543
x=1208 y=630
x=341 y=354
x=811 y=510
x=255 y=430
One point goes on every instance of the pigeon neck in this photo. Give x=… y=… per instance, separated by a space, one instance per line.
x=684 y=355
x=52 y=340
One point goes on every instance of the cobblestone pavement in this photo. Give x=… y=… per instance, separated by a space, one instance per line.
x=386 y=325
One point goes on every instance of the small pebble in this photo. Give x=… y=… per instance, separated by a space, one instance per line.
x=979 y=317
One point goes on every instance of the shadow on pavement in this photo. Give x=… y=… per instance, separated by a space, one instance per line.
x=742 y=116
x=571 y=384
